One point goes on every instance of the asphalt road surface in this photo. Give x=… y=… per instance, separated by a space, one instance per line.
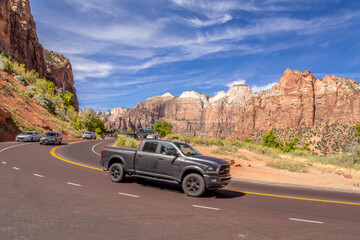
x=62 y=193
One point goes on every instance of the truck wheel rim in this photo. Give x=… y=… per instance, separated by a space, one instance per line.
x=193 y=185
x=115 y=172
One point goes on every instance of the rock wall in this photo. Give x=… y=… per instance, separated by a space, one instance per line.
x=298 y=100
x=19 y=38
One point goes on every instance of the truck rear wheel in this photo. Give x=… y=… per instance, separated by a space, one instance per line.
x=116 y=172
x=193 y=185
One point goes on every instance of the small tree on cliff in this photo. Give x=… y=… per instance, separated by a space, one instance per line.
x=163 y=127
x=357 y=131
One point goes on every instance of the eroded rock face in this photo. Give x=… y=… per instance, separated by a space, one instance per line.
x=19 y=38
x=59 y=71
x=298 y=100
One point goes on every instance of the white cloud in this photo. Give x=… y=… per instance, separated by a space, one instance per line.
x=206 y=23
x=237 y=82
x=104 y=6
x=263 y=87
x=86 y=68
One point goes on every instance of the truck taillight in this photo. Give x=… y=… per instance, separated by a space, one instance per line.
x=101 y=154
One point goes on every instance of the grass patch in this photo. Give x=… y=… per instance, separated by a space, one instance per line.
x=292 y=167
x=241 y=156
x=123 y=141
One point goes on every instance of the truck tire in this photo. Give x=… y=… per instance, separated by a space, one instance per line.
x=193 y=185
x=116 y=172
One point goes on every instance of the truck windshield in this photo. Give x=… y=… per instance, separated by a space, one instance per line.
x=187 y=149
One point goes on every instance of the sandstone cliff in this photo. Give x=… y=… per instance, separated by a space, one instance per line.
x=298 y=100
x=19 y=38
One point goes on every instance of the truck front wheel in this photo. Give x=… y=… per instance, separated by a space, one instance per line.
x=193 y=185
x=116 y=172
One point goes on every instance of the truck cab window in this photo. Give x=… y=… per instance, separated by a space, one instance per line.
x=150 y=147
x=166 y=147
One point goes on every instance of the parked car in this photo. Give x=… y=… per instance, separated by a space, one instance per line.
x=132 y=135
x=28 y=137
x=151 y=136
x=89 y=135
x=168 y=161
x=51 y=138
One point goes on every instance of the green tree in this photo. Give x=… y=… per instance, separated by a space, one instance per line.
x=357 y=131
x=163 y=127
x=95 y=124
x=269 y=140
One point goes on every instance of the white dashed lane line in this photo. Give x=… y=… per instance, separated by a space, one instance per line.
x=211 y=208
x=304 y=220
x=4 y=162
x=38 y=175
x=74 y=184
x=129 y=195
x=16 y=168
x=17 y=145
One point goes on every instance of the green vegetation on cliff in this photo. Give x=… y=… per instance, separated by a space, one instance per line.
x=36 y=104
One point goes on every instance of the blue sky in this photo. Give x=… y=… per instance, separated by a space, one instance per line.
x=125 y=51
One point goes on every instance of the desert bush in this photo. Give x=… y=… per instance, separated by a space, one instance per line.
x=126 y=142
x=45 y=102
x=19 y=68
x=31 y=76
x=21 y=80
x=2 y=66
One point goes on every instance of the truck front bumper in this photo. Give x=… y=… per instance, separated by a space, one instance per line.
x=216 y=182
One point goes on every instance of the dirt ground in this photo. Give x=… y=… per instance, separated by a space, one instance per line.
x=319 y=175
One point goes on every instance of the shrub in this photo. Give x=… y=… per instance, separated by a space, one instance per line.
x=45 y=102
x=31 y=76
x=21 y=80
x=269 y=140
x=19 y=68
x=126 y=142
x=7 y=66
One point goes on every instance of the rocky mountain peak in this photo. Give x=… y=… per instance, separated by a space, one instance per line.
x=167 y=95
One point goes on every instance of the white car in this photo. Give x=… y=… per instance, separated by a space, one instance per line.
x=89 y=135
x=28 y=137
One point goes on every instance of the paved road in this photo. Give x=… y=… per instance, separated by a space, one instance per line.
x=43 y=197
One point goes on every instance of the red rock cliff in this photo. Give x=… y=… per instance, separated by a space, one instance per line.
x=19 y=38
x=298 y=100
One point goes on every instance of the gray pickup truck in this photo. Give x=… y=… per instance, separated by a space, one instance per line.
x=168 y=161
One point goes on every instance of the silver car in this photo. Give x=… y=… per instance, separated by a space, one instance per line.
x=89 y=135
x=51 y=138
x=28 y=137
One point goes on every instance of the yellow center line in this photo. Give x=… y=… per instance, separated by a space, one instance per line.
x=297 y=198
x=52 y=152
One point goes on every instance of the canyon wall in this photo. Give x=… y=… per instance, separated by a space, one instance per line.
x=299 y=99
x=18 y=37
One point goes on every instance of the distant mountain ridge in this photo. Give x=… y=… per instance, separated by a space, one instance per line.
x=298 y=100
x=19 y=38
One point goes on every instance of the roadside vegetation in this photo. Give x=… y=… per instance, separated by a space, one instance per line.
x=272 y=147
x=56 y=105
x=163 y=127
x=124 y=141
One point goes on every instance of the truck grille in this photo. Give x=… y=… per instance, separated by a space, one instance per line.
x=224 y=169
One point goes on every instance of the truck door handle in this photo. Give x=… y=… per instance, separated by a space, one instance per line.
x=161 y=158
x=140 y=156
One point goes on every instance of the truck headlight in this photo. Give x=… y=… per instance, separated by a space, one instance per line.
x=210 y=169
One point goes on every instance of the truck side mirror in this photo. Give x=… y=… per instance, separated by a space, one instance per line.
x=172 y=152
